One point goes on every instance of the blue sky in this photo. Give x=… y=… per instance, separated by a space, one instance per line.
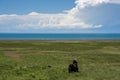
x=59 y=16
x=41 y=6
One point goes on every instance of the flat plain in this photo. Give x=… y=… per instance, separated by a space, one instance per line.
x=49 y=59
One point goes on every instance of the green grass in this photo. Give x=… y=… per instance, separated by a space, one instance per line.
x=49 y=60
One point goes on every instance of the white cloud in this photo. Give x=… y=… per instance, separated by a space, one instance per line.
x=81 y=4
x=33 y=14
x=67 y=20
x=85 y=3
x=37 y=21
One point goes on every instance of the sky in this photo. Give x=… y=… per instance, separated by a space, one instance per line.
x=59 y=16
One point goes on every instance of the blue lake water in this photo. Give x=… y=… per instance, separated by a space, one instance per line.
x=60 y=36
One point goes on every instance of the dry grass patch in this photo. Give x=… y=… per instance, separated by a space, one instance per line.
x=13 y=56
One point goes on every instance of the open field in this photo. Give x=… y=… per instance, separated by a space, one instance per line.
x=49 y=60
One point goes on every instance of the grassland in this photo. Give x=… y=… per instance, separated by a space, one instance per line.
x=49 y=60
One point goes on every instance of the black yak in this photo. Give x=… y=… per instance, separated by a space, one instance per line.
x=73 y=67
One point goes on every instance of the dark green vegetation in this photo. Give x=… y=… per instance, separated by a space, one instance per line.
x=48 y=60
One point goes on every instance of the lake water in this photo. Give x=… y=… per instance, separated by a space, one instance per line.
x=60 y=36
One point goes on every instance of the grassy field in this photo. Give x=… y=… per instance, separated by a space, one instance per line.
x=49 y=60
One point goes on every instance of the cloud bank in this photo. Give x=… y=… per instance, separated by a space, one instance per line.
x=68 y=20
x=86 y=3
x=37 y=21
